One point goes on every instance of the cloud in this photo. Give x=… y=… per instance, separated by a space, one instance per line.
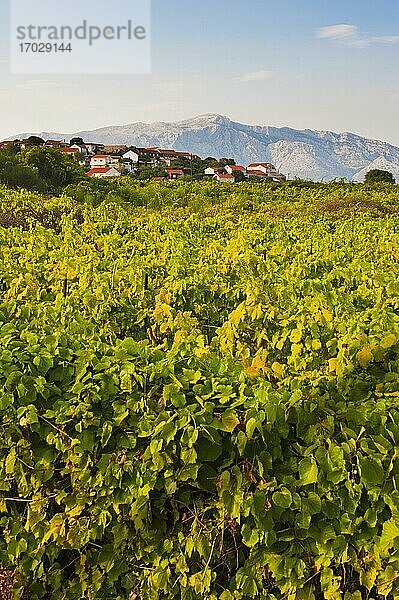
x=386 y=39
x=337 y=32
x=350 y=35
x=255 y=76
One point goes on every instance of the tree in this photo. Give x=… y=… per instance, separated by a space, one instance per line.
x=53 y=167
x=210 y=161
x=18 y=176
x=149 y=173
x=34 y=140
x=239 y=176
x=78 y=141
x=226 y=161
x=379 y=176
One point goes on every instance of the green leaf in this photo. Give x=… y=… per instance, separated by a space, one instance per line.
x=388 y=341
x=188 y=472
x=250 y=537
x=86 y=442
x=169 y=431
x=172 y=394
x=390 y=532
x=208 y=451
x=6 y=400
x=372 y=472
x=230 y=421
x=106 y=433
x=365 y=356
x=308 y=471
x=311 y=504
x=120 y=414
x=241 y=442
x=282 y=498
x=10 y=461
x=250 y=427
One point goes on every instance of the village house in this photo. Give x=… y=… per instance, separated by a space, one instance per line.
x=132 y=156
x=148 y=156
x=259 y=175
x=174 y=174
x=167 y=157
x=130 y=161
x=212 y=170
x=265 y=171
x=224 y=178
x=100 y=160
x=231 y=169
x=93 y=148
x=265 y=168
x=114 y=149
x=101 y=172
x=186 y=155
x=278 y=177
x=82 y=149
x=9 y=144
x=71 y=152
x=56 y=144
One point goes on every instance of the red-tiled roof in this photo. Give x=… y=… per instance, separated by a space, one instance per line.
x=151 y=151
x=69 y=150
x=262 y=173
x=98 y=170
x=100 y=156
x=259 y=164
x=175 y=172
x=224 y=176
x=236 y=167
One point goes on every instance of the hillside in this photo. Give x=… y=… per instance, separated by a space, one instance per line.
x=302 y=153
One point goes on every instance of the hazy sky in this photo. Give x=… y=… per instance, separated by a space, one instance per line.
x=305 y=64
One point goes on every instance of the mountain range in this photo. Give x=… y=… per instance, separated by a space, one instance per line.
x=310 y=154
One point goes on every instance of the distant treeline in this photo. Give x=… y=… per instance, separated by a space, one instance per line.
x=50 y=172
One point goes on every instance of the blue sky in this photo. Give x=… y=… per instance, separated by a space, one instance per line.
x=313 y=63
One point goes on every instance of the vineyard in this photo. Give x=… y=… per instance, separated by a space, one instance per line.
x=199 y=393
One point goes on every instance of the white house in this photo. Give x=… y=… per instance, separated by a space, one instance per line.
x=264 y=167
x=231 y=169
x=130 y=161
x=224 y=178
x=55 y=144
x=71 y=152
x=211 y=170
x=133 y=157
x=174 y=174
x=92 y=147
x=257 y=173
x=101 y=172
x=100 y=160
x=82 y=149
